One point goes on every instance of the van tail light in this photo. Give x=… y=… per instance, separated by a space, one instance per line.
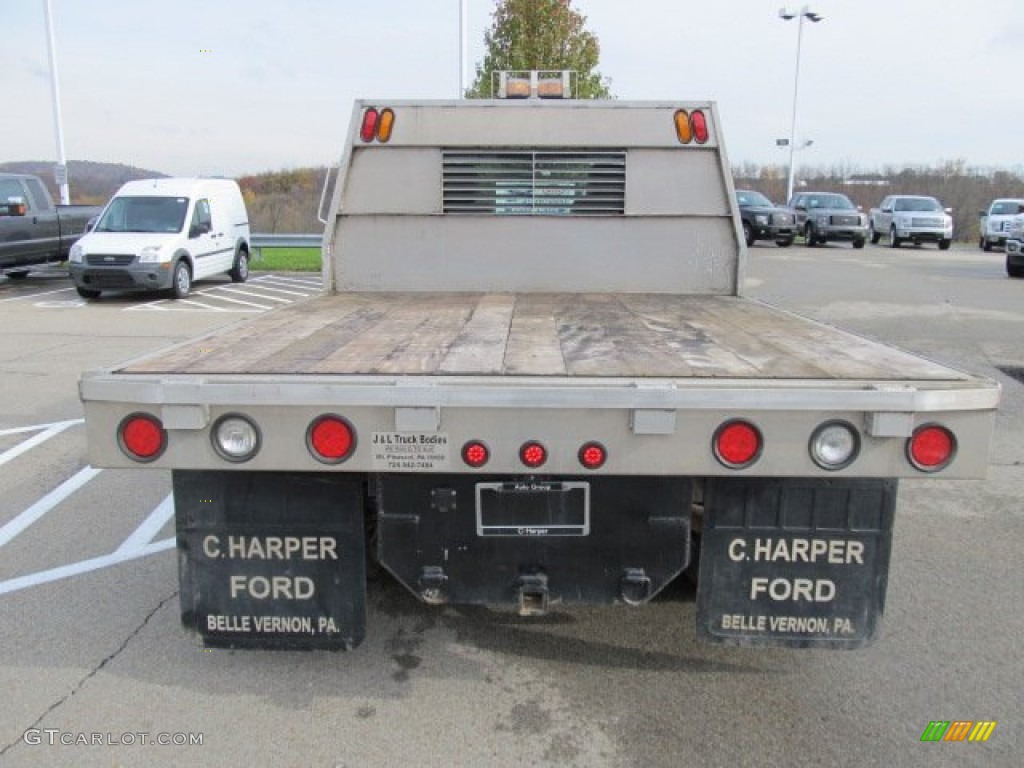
x=475 y=453
x=331 y=439
x=699 y=123
x=931 y=448
x=142 y=437
x=593 y=455
x=738 y=444
x=533 y=454
x=368 y=130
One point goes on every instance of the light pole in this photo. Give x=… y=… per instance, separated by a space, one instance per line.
x=62 y=163
x=804 y=13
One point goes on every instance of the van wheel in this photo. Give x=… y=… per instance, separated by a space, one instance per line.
x=181 y=282
x=240 y=272
x=88 y=293
x=944 y=244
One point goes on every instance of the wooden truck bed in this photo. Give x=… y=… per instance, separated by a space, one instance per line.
x=530 y=334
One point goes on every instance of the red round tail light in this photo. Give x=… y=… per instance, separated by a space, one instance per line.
x=142 y=437
x=737 y=444
x=931 y=448
x=331 y=439
x=475 y=453
x=593 y=455
x=533 y=454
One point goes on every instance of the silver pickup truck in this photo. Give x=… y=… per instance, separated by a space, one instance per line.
x=824 y=217
x=911 y=219
x=32 y=229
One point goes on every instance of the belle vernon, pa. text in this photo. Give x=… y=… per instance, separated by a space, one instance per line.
x=308 y=548
x=796 y=590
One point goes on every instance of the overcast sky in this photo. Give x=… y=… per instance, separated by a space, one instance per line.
x=226 y=87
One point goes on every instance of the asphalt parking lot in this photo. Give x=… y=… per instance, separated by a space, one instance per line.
x=93 y=642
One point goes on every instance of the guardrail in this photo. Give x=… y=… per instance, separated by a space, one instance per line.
x=257 y=242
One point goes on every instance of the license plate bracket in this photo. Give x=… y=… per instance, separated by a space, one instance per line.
x=533 y=508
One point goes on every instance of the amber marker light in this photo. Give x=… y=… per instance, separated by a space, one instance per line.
x=683 y=130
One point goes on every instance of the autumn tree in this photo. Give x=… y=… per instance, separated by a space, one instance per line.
x=540 y=34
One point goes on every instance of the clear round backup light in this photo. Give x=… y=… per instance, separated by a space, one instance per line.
x=235 y=438
x=834 y=445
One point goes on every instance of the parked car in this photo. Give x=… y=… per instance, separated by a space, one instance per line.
x=826 y=216
x=764 y=220
x=911 y=218
x=1015 y=247
x=33 y=230
x=995 y=221
x=160 y=234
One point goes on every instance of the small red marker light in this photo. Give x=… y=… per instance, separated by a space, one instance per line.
x=533 y=454
x=369 y=128
x=475 y=453
x=931 y=448
x=142 y=437
x=331 y=439
x=737 y=444
x=593 y=455
x=700 y=126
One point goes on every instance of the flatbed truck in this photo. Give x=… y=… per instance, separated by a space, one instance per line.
x=532 y=380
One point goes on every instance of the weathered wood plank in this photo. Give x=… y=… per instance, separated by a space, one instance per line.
x=480 y=347
x=533 y=347
x=261 y=342
x=411 y=336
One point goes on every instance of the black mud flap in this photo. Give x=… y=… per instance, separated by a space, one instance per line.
x=531 y=542
x=271 y=560
x=794 y=563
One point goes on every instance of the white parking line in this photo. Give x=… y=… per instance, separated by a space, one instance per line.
x=84 y=566
x=49 y=430
x=45 y=504
x=234 y=301
x=297 y=282
x=150 y=527
x=33 y=295
x=257 y=295
x=266 y=287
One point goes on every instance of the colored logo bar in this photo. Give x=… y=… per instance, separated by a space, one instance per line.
x=958 y=730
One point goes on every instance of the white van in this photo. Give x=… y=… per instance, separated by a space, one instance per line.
x=160 y=234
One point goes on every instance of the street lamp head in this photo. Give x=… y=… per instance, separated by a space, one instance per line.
x=785 y=14
x=815 y=17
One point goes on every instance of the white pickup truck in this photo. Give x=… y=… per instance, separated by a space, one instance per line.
x=532 y=380
x=911 y=219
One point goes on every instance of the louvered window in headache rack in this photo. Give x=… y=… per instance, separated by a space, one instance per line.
x=539 y=183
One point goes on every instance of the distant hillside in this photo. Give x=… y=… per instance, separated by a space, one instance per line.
x=91 y=183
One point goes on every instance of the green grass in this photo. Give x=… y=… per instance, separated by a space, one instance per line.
x=287 y=260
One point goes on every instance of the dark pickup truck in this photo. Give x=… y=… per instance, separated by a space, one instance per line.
x=32 y=229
